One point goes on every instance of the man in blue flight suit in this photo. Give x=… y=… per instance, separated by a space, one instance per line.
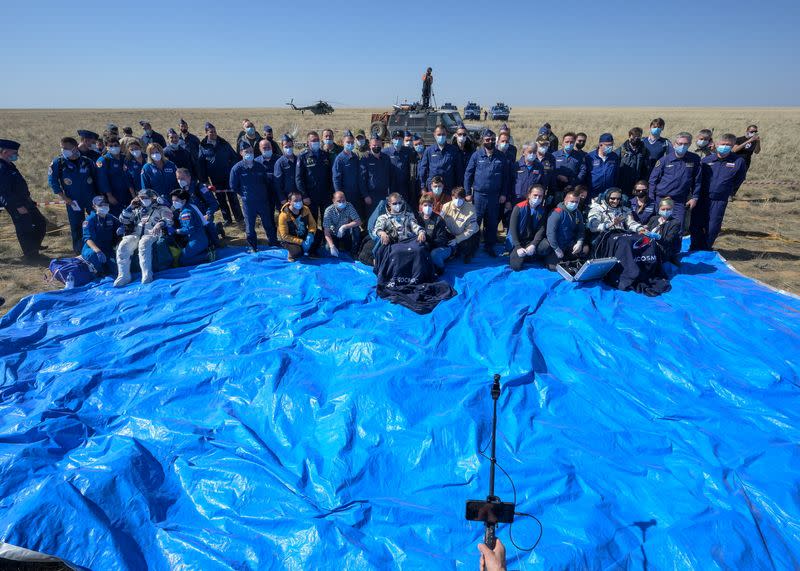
x=71 y=176
x=440 y=159
x=465 y=146
x=206 y=202
x=150 y=136
x=604 y=163
x=191 y=227
x=285 y=170
x=487 y=182
x=15 y=198
x=376 y=174
x=400 y=161
x=537 y=166
x=677 y=175
x=347 y=171
x=249 y=179
x=313 y=176
x=722 y=174
x=87 y=145
x=112 y=178
x=268 y=135
x=570 y=163
x=177 y=152
x=656 y=145
x=190 y=141
x=504 y=144
x=100 y=237
x=214 y=162
x=268 y=158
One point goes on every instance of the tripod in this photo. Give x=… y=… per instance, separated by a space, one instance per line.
x=489 y=537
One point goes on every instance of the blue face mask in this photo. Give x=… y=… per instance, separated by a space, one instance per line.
x=397 y=143
x=349 y=147
x=328 y=142
x=681 y=149
x=419 y=148
x=288 y=151
x=68 y=154
x=250 y=131
x=530 y=157
x=723 y=149
x=267 y=154
x=655 y=131
x=314 y=145
x=13 y=158
x=665 y=213
x=440 y=139
x=248 y=157
x=569 y=147
x=571 y=206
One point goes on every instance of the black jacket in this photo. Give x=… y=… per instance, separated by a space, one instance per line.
x=436 y=234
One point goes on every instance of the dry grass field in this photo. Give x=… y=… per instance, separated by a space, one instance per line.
x=761 y=235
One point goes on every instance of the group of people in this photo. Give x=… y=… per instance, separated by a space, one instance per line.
x=126 y=194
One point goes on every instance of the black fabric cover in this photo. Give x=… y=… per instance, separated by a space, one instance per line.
x=639 y=268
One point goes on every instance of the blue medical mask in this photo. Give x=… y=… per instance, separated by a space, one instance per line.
x=544 y=148
x=327 y=142
x=702 y=143
x=267 y=154
x=102 y=210
x=568 y=147
x=314 y=146
x=440 y=139
x=397 y=143
x=681 y=149
x=407 y=143
x=136 y=153
x=571 y=206
x=248 y=157
x=419 y=148
x=665 y=213
x=68 y=154
x=349 y=147
x=177 y=204
x=437 y=190
x=655 y=131
x=297 y=205
x=13 y=158
x=502 y=147
x=534 y=201
x=459 y=202
x=341 y=205
x=250 y=131
x=288 y=151
x=530 y=157
x=156 y=157
x=723 y=149
x=114 y=150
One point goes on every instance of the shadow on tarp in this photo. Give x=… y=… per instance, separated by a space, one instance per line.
x=256 y=413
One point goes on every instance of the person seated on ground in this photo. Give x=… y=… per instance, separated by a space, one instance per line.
x=397 y=224
x=526 y=228
x=190 y=232
x=296 y=227
x=641 y=206
x=609 y=213
x=202 y=197
x=565 y=232
x=99 y=238
x=342 y=226
x=439 y=196
x=462 y=223
x=666 y=230
x=144 y=220
x=437 y=237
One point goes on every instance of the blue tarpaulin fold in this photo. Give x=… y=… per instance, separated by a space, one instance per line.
x=257 y=414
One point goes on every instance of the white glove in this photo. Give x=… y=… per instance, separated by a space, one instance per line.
x=334 y=251
x=530 y=250
x=559 y=252
x=522 y=252
x=452 y=243
x=577 y=248
x=75 y=206
x=340 y=232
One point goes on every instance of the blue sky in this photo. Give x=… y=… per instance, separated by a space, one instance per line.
x=207 y=53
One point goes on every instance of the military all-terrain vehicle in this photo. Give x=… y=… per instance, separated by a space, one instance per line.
x=472 y=111
x=449 y=107
x=500 y=111
x=413 y=117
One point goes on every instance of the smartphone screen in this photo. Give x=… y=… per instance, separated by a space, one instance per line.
x=490 y=512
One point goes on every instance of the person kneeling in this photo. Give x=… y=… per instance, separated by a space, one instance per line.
x=526 y=228
x=341 y=225
x=99 y=235
x=666 y=230
x=565 y=230
x=462 y=223
x=296 y=227
x=436 y=235
x=191 y=229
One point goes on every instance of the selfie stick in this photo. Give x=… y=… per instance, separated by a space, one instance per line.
x=489 y=537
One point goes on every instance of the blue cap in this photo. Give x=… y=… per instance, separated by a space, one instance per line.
x=504 y=127
x=112 y=127
x=347 y=133
x=397 y=133
x=407 y=134
x=9 y=144
x=142 y=123
x=267 y=129
x=182 y=122
x=99 y=200
x=209 y=125
x=87 y=134
x=171 y=131
x=489 y=133
x=417 y=137
x=546 y=126
x=543 y=131
x=287 y=138
x=243 y=145
x=606 y=138
x=375 y=136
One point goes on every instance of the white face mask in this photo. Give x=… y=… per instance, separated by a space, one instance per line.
x=146 y=202
x=459 y=202
x=177 y=204
x=427 y=210
x=156 y=157
x=183 y=183
x=535 y=201
x=114 y=150
x=136 y=153
x=437 y=190
x=102 y=210
x=396 y=208
x=461 y=139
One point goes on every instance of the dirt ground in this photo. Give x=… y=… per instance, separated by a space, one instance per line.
x=760 y=238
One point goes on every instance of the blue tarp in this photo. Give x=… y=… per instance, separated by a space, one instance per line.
x=257 y=414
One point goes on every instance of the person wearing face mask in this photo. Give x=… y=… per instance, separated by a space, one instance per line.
x=99 y=238
x=505 y=143
x=634 y=161
x=748 y=145
x=397 y=224
x=297 y=227
x=190 y=141
x=526 y=228
x=462 y=223
x=677 y=176
x=112 y=179
x=269 y=159
x=551 y=137
x=400 y=166
x=126 y=139
x=159 y=173
x=150 y=136
x=250 y=136
x=465 y=146
x=704 y=144
x=604 y=163
x=201 y=197
x=283 y=175
x=442 y=159
x=135 y=160
x=438 y=194
x=347 y=172
x=437 y=238
x=609 y=212
x=408 y=139
x=376 y=174
x=656 y=145
x=418 y=148
x=564 y=234
x=190 y=231
x=536 y=167
x=341 y=226
x=666 y=230
x=723 y=174
x=88 y=144
x=642 y=207
x=313 y=175
x=249 y=179
x=72 y=178
x=15 y=198
x=362 y=144
x=329 y=144
x=488 y=181
x=177 y=153
x=570 y=163
x=143 y=222
x=268 y=135
x=215 y=159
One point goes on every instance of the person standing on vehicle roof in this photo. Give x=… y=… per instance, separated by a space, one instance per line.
x=427 y=88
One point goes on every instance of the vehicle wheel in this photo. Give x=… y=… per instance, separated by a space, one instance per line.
x=380 y=128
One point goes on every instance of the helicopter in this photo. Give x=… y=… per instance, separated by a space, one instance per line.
x=319 y=108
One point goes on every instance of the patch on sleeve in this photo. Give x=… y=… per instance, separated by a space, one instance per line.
x=85 y=223
x=658 y=163
x=186 y=216
x=99 y=164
